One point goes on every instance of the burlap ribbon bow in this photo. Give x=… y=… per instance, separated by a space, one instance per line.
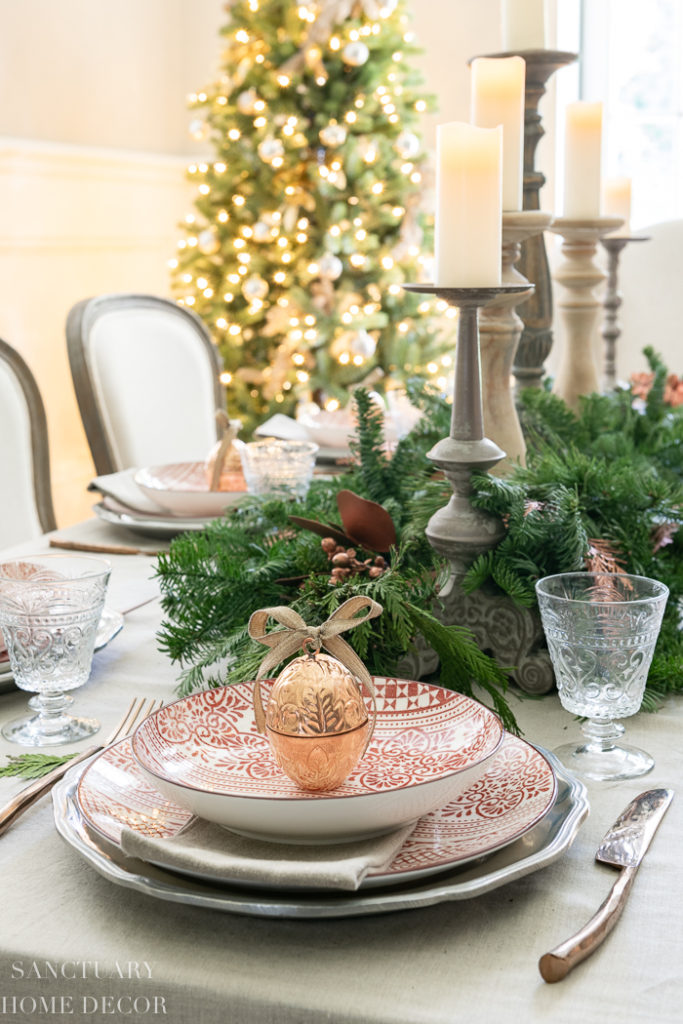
x=296 y=633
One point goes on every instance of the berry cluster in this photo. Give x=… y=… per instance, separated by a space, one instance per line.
x=345 y=562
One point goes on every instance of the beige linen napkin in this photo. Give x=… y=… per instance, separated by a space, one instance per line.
x=121 y=489
x=284 y=427
x=208 y=850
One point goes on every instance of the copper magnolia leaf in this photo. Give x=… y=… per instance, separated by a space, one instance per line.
x=323 y=530
x=366 y=522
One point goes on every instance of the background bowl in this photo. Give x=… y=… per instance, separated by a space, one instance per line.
x=183 y=488
x=429 y=745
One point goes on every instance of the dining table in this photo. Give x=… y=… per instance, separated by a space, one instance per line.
x=79 y=945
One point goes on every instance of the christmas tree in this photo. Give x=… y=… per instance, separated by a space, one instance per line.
x=308 y=217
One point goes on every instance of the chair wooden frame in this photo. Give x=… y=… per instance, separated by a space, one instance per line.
x=42 y=488
x=79 y=324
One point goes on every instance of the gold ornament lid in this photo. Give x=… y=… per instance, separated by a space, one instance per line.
x=315 y=695
x=295 y=635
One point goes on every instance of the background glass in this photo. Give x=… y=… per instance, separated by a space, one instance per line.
x=601 y=630
x=50 y=607
x=279 y=468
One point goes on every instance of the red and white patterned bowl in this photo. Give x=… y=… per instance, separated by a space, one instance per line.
x=429 y=745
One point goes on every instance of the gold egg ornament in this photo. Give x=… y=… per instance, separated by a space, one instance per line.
x=316 y=718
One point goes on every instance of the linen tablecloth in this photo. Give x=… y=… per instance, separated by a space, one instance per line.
x=94 y=951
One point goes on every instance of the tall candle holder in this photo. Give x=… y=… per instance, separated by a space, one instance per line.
x=579 y=275
x=460 y=530
x=500 y=329
x=611 y=331
x=537 y=339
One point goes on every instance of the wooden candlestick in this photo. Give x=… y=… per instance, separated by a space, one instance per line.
x=611 y=303
x=579 y=275
x=460 y=530
x=500 y=329
x=537 y=316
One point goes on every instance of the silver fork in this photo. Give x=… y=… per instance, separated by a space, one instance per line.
x=139 y=709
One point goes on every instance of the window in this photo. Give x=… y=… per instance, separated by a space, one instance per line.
x=631 y=59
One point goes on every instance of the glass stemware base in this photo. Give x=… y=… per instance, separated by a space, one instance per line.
x=51 y=726
x=601 y=757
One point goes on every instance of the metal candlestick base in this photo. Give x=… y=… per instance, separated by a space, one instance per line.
x=537 y=339
x=460 y=531
x=611 y=303
x=579 y=274
x=500 y=329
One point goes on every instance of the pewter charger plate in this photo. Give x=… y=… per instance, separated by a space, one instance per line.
x=539 y=847
x=163 y=527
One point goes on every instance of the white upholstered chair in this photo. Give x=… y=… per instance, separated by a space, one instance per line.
x=26 y=508
x=650 y=275
x=147 y=380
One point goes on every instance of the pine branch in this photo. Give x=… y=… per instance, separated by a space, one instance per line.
x=462 y=663
x=32 y=766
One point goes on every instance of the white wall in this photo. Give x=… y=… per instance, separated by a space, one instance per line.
x=93 y=145
x=77 y=222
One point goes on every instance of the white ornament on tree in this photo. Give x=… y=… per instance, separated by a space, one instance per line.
x=330 y=266
x=254 y=288
x=261 y=231
x=355 y=54
x=246 y=101
x=353 y=343
x=270 y=149
x=207 y=241
x=407 y=145
x=362 y=344
x=333 y=135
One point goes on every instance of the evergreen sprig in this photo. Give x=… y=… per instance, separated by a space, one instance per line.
x=32 y=766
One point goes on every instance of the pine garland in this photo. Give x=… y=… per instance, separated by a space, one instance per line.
x=609 y=480
x=603 y=484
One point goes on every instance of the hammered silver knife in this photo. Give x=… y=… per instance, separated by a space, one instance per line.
x=623 y=847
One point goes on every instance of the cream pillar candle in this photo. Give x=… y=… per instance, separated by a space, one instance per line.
x=616 y=202
x=468 y=217
x=582 y=160
x=523 y=25
x=497 y=98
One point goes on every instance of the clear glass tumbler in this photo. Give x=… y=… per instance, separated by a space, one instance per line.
x=50 y=608
x=601 y=630
x=278 y=468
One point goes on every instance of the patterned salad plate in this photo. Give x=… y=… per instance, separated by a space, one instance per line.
x=485 y=839
x=182 y=488
x=429 y=745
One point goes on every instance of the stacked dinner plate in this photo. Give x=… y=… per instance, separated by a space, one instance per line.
x=163 y=501
x=481 y=806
